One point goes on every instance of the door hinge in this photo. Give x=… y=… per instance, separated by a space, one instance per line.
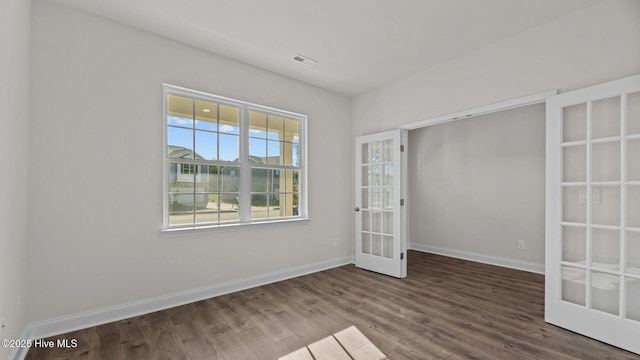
x=401 y=148
x=401 y=202
x=401 y=256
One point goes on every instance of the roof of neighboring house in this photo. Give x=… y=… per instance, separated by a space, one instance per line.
x=269 y=160
x=182 y=153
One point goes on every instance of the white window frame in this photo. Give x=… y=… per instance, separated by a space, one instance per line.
x=243 y=163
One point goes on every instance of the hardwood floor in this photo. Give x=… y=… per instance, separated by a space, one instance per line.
x=445 y=309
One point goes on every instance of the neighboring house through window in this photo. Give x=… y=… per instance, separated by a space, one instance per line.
x=230 y=162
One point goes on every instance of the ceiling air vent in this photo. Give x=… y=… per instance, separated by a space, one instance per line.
x=304 y=60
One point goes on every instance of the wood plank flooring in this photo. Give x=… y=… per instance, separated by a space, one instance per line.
x=445 y=309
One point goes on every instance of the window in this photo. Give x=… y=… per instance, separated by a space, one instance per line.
x=229 y=162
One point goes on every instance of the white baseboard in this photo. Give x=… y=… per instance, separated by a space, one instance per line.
x=485 y=259
x=62 y=325
x=20 y=352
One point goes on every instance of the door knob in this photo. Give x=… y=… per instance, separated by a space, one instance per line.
x=356 y=209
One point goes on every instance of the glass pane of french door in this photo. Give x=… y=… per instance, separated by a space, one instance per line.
x=594 y=280
x=377 y=198
x=594 y=189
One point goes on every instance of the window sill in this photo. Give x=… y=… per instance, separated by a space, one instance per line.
x=194 y=230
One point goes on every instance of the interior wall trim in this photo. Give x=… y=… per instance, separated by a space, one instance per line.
x=65 y=324
x=481 y=258
x=482 y=110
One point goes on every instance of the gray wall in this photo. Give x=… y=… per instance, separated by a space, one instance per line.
x=594 y=45
x=477 y=184
x=97 y=114
x=15 y=23
x=597 y=44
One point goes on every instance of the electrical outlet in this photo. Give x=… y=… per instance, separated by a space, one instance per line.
x=335 y=242
x=520 y=245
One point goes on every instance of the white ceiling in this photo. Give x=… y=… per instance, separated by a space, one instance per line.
x=359 y=44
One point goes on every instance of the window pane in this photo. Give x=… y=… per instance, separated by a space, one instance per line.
x=376 y=175
x=387 y=150
x=230 y=181
x=180 y=209
x=179 y=111
x=366 y=220
x=574 y=123
x=633 y=113
x=387 y=176
x=573 y=285
x=273 y=153
x=295 y=178
x=633 y=253
x=258 y=206
x=605 y=292
x=376 y=244
x=388 y=246
x=387 y=198
x=291 y=154
x=606 y=205
x=574 y=163
x=366 y=243
x=275 y=127
x=291 y=205
x=376 y=152
x=229 y=119
x=275 y=210
x=376 y=222
x=605 y=118
x=206 y=115
x=229 y=207
x=365 y=199
x=376 y=198
x=633 y=294
x=387 y=225
x=257 y=124
x=257 y=150
x=181 y=177
x=288 y=154
x=295 y=155
x=206 y=208
x=633 y=161
x=180 y=143
x=605 y=161
x=206 y=145
x=229 y=147
x=574 y=204
x=292 y=130
x=275 y=181
x=259 y=180
x=605 y=249
x=366 y=175
x=291 y=181
x=574 y=244
x=210 y=178
x=633 y=206
x=179 y=121
x=365 y=153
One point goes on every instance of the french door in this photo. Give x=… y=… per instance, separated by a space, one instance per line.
x=593 y=212
x=379 y=220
